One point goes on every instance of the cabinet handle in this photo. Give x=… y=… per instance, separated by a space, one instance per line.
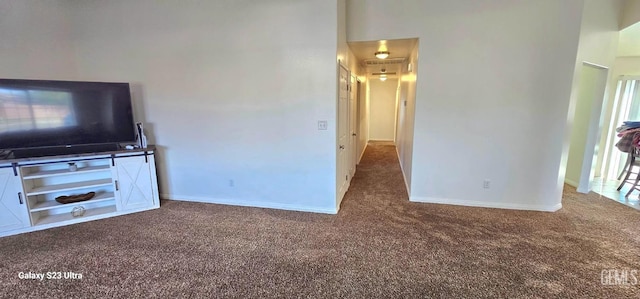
x=20 y=198
x=117 y=185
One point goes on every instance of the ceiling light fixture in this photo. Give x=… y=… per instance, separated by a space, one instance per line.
x=383 y=77
x=382 y=54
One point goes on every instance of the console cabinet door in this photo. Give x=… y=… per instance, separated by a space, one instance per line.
x=134 y=183
x=14 y=213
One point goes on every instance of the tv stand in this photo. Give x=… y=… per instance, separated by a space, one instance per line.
x=32 y=189
x=64 y=150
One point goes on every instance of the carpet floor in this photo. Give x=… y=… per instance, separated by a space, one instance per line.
x=380 y=245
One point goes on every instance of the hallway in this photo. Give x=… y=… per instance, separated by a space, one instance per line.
x=378 y=181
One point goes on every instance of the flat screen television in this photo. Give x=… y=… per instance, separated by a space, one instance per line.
x=44 y=117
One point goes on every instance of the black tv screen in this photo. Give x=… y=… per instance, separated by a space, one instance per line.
x=38 y=113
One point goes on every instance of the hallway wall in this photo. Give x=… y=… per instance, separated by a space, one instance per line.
x=406 y=116
x=382 y=109
x=500 y=97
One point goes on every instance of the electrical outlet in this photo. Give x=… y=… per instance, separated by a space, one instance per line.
x=322 y=125
x=486 y=184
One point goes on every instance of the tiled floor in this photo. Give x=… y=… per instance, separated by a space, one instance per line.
x=607 y=188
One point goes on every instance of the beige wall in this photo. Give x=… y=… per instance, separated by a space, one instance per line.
x=382 y=110
x=232 y=92
x=631 y=13
x=626 y=66
x=36 y=41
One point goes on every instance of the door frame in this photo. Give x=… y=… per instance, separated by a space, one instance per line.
x=353 y=125
x=590 y=155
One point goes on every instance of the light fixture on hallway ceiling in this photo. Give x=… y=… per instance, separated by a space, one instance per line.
x=382 y=54
x=383 y=75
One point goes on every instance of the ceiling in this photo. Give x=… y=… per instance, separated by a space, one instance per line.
x=398 y=48
x=629 y=42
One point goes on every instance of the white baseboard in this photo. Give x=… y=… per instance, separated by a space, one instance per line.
x=485 y=204
x=381 y=140
x=363 y=150
x=406 y=183
x=249 y=203
x=583 y=190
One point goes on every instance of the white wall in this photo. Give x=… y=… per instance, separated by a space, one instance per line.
x=406 y=116
x=629 y=41
x=364 y=105
x=598 y=45
x=363 y=117
x=626 y=66
x=231 y=92
x=495 y=80
x=382 y=110
x=591 y=86
x=35 y=41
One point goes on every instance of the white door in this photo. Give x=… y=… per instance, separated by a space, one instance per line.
x=342 y=168
x=133 y=183
x=353 y=127
x=14 y=213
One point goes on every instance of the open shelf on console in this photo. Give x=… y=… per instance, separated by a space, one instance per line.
x=48 y=205
x=65 y=171
x=68 y=186
x=89 y=213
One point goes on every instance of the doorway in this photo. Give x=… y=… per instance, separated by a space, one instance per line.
x=385 y=97
x=586 y=127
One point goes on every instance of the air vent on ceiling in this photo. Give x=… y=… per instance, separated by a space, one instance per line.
x=384 y=61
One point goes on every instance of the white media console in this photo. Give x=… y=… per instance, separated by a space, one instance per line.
x=123 y=181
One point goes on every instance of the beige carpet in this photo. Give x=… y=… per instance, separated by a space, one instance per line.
x=378 y=246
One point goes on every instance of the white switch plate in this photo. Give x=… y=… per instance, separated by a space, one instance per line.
x=322 y=125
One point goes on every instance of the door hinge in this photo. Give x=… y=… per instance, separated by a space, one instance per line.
x=116 y=183
x=346 y=177
x=20 y=198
